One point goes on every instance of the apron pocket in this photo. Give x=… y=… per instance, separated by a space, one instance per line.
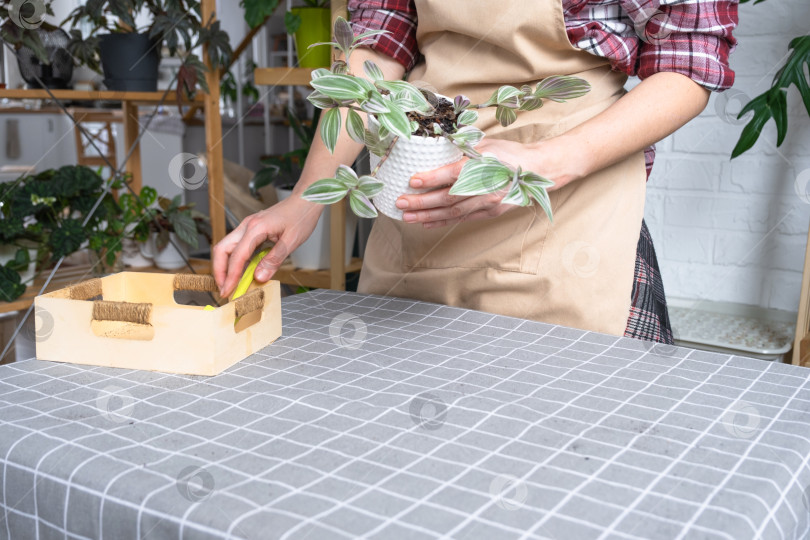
x=512 y=242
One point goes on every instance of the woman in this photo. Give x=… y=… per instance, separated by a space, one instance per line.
x=594 y=267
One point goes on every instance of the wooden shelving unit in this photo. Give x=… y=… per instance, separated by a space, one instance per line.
x=130 y=101
x=138 y=98
x=282 y=76
x=801 y=345
x=318 y=279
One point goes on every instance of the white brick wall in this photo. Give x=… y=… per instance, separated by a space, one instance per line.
x=736 y=230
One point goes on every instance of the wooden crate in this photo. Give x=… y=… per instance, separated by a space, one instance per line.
x=131 y=320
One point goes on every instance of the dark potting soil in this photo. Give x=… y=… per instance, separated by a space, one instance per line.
x=444 y=115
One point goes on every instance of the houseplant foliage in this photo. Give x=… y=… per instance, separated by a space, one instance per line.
x=151 y=213
x=286 y=165
x=772 y=104
x=172 y=216
x=18 y=24
x=177 y=24
x=54 y=211
x=257 y=11
x=317 y=24
x=399 y=110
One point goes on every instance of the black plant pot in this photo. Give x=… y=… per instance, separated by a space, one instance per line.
x=130 y=62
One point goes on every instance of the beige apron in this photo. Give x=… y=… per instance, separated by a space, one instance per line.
x=577 y=271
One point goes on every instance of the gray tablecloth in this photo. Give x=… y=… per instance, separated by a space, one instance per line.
x=388 y=418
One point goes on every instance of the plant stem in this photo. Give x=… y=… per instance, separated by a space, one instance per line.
x=387 y=153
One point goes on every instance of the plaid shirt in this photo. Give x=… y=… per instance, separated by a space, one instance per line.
x=637 y=37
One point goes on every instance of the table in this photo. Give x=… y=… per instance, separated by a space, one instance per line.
x=390 y=418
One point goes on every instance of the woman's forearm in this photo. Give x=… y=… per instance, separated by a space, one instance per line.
x=654 y=109
x=322 y=164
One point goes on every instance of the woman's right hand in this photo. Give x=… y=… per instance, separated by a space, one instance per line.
x=288 y=224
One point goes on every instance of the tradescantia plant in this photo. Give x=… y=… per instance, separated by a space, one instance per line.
x=394 y=108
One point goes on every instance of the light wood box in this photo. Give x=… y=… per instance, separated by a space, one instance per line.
x=131 y=320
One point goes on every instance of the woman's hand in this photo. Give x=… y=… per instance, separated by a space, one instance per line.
x=288 y=223
x=438 y=208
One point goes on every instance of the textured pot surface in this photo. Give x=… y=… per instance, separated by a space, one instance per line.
x=408 y=157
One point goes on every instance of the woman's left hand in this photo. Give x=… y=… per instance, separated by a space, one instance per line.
x=438 y=208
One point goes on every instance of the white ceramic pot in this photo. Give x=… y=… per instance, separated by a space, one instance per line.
x=7 y=253
x=169 y=258
x=408 y=157
x=315 y=252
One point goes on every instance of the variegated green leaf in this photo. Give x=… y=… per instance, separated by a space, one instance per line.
x=507 y=94
x=361 y=205
x=410 y=101
x=347 y=176
x=505 y=115
x=396 y=121
x=516 y=196
x=408 y=96
x=330 y=128
x=539 y=194
x=369 y=186
x=467 y=117
x=368 y=86
x=482 y=176
x=355 y=126
x=373 y=70
x=321 y=101
x=374 y=144
x=340 y=87
x=320 y=72
x=326 y=191
x=562 y=88
x=531 y=103
x=468 y=135
x=530 y=178
x=393 y=86
x=375 y=104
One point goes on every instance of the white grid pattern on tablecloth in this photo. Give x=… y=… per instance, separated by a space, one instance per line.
x=413 y=340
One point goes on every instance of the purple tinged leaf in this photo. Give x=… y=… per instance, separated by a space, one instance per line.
x=343 y=34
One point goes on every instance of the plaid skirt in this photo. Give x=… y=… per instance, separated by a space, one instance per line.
x=649 y=319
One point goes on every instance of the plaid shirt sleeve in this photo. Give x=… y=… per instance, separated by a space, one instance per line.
x=690 y=38
x=397 y=17
x=643 y=37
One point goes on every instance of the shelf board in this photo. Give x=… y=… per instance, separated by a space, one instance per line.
x=144 y=98
x=283 y=76
x=318 y=279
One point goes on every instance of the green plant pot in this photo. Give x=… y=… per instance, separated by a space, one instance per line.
x=316 y=27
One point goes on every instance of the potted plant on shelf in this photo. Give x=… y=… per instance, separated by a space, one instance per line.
x=130 y=55
x=406 y=122
x=50 y=215
x=20 y=22
x=310 y=23
x=169 y=229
